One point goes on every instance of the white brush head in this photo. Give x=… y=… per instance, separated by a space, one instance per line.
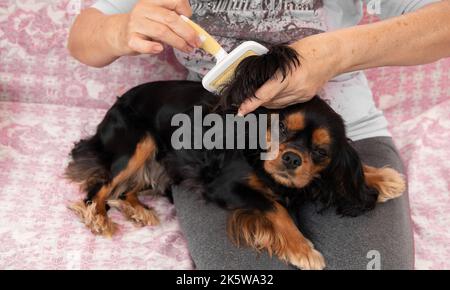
x=223 y=71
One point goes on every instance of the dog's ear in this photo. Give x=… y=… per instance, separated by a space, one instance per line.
x=346 y=183
x=253 y=71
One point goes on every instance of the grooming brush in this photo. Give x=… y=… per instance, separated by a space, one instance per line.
x=226 y=63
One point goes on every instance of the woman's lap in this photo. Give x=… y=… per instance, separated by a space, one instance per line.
x=345 y=242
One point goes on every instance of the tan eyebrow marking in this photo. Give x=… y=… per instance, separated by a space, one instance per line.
x=321 y=136
x=295 y=121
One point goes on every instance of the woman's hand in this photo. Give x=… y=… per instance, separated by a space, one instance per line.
x=319 y=62
x=416 y=38
x=153 y=22
x=98 y=39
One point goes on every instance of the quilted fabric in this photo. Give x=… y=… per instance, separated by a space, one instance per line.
x=48 y=101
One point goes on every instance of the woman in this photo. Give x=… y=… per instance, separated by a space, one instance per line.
x=333 y=52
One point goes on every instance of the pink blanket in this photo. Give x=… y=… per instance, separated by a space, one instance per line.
x=416 y=102
x=48 y=101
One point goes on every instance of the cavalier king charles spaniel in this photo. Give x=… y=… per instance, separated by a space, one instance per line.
x=132 y=151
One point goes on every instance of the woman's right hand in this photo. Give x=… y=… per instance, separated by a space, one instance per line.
x=154 y=22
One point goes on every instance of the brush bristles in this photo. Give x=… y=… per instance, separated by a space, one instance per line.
x=227 y=75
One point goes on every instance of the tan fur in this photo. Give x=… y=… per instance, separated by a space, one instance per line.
x=138 y=214
x=254 y=229
x=321 y=136
x=254 y=182
x=136 y=175
x=387 y=181
x=100 y=199
x=275 y=232
x=98 y=223
x=295 y=121
x=145 y=150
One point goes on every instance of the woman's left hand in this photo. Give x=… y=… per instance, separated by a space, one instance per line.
x=319 y=62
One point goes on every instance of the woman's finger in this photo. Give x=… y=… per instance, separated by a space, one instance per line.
x=140 y=44
x=249 y=106
x=283 y=102
x=162 y=33
x=180 y=6
x=173 y=20
x=263 y=95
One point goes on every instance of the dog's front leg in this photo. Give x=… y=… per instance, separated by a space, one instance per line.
x=388 y=182
x=274 y=231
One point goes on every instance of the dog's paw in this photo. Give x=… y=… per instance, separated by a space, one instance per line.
x=139 y=215
x=102 y=225
x=98 y=224
x=388 y=182
x=392 y=184
x=304 y=256
x=307 y=258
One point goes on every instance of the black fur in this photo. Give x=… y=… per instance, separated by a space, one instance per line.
x=220 y=175
x=253 y=71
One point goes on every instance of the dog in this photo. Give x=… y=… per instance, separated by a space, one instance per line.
x=132 y=151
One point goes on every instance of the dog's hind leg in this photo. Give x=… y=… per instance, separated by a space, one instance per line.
x=94 y=212
x=134 y=210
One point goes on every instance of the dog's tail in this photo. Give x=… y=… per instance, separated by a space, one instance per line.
x=87 y=167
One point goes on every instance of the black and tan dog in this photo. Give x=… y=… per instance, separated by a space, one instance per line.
x=132 y=151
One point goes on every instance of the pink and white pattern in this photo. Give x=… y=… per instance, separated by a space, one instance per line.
x=37 y=230
x=48 y=101
x=416 y=102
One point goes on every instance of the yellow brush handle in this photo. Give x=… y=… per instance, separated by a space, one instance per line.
x=209 y=44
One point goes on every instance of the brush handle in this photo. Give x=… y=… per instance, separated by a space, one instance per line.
x=209 y=44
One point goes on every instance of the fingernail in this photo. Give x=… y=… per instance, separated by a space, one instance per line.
x=240 y=114
x=158 y=48
x=200 y=40
x=189 y=49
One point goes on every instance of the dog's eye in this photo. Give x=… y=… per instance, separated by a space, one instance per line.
x=321 y=152
x=282 y=128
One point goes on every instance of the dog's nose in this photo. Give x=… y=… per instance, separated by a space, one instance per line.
x=291 y=160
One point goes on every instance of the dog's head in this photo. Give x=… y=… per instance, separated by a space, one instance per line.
x=315 y=157
x=309 y=137
x=314 y=154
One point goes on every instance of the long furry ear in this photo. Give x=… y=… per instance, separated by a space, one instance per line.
x=347 y=189
x=253 y=71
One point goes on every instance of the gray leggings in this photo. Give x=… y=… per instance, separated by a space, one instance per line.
x=346 y=243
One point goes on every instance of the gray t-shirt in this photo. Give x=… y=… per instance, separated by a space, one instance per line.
x=283 y=21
